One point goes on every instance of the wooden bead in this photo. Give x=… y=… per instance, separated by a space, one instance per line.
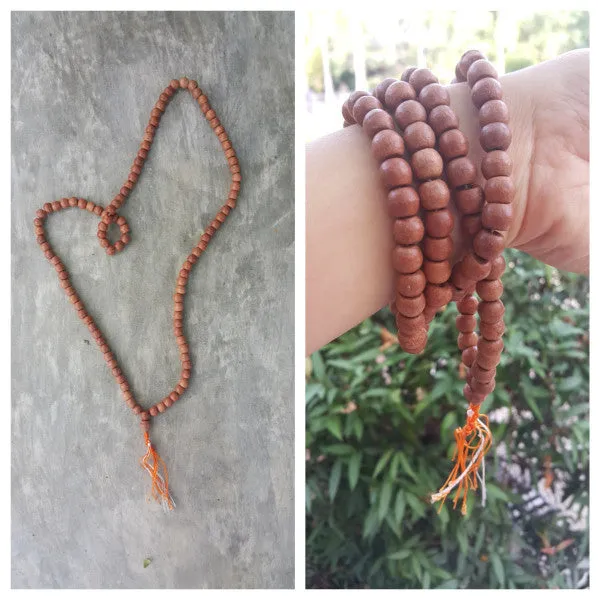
x=484 y=90
x=466 y=60
x=434 y=194
x=407 y=259
x=490 y=360
x=406 y=326
x=437 y=248
x=466 y=340
x=488 y=244
x=469 y=355
x=471 y=397
x=441 y=119
x=498 y=266
x=403 y=202
x=410 y=307
x=398 y=92
x=407 y=73
x=480 y=387
x=408 y=231
x=495 y=136
x=411 y=284
x=353 y=98
x=418 y=136
x=395 y=172
x=493 y=111
x=415 y=343
x=468 y=305
x=437 y=271
x=474 y=267
x=469 y=201
x=492 y=331
x=364 y=105
x=153 y=411
x=466 y=323
x=420 y=78
x=381 y=88
x=491 y=312
x=497 y=216
x=439 y=223
x=427 y=164
x=387 y=144
x=482 y=375
x=433 y=95
x=460 y=171
x=438 y=295
x=470 y=225
x=479 y=69
x=377 y=120
x=409 y=112
x=453 y=144
x=496 y=163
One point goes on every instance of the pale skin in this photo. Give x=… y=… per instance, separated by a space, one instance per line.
x=349 y=274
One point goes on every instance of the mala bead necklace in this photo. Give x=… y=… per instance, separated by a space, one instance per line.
x=423 y=162
x=151 y=461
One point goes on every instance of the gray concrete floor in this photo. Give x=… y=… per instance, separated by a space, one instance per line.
x=83 y=86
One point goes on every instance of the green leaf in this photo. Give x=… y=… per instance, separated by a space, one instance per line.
x=406 y=466
x=393 y=470
x=354 y=469
x=416 y=504
x=498 y=568
x=400 y=555
x=382 y=462
x=494 y=491
x=147 y=561
x=334 y=479
x=371 y=525
x=384 y=498
x=400 y=506
x=318 y=366
x=334 y=426
x=339 y=449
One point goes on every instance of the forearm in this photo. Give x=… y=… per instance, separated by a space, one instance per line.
x=349 y=243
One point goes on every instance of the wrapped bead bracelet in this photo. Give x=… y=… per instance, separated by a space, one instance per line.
x=151 y=462
x=423 y=162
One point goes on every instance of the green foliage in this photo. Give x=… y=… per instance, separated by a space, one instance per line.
x=380 y=438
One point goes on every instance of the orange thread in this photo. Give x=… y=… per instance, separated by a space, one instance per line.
x=160 y=484
x=473 y=441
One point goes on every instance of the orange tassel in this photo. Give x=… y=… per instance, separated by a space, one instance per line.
x=472 y=444
x=152 y=462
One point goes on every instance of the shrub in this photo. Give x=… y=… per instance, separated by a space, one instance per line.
x=379 y=439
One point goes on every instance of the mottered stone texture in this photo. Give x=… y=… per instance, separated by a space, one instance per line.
x=83 y=86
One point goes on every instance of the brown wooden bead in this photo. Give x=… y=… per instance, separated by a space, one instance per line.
x=407 y=73
x=437 y=271
x=468 y=305
x=381 y=88
x=410 y=307
x=482 y=375
x=439 y=223
x=470 y=225
x=153 y=411
x=469 y=355
x=415 y=343
x=364 y=105
x=433 y=95
x=395 y=172
x=466 y=340
x=437 y=248
x=493 y=111
x=474 y=267
x=469 y=201
x=409 y=112
x=488 y=244
x=438 y=295
x=406 y=326
x=492 y=331
x=480 y=387
x=398 y=92
x=496 y=163
x=484 y=90
x=418 y=136
x=387 y=144
x=495 y=136
x=491 y=312
x=453 y=144
x=427 y=164
x=411 y=284
x=420 y=78
x=492 y=359
x=498 y=266
x=403 y=202
x=377 y=120
x=352 y=99
x=407 y=259
x=497 y=216
x=460 y=171
x=408 y=231
x=466 y=60
x=441 y=119
x=434 y=194
x=466 y=323
x=471 y=397
x=479 y=69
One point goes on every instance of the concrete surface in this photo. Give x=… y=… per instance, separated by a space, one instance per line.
x=83 y=86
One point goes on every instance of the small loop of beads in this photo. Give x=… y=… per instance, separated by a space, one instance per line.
x=107 y=218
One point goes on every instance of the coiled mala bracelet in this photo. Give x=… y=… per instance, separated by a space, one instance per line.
x=423 y=162
x=151 y=462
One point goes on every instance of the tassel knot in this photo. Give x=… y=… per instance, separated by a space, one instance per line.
x=153 y=464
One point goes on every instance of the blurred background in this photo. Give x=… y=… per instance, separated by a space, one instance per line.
x=379 y=422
